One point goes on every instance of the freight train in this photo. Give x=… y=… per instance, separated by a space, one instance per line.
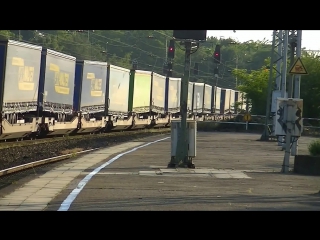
x=44 y=92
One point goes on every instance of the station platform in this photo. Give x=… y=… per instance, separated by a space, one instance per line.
x=233 y=172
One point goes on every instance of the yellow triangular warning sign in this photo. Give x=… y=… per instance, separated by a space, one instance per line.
x=298 y=68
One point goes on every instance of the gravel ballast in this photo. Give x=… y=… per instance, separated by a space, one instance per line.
x=21 y=153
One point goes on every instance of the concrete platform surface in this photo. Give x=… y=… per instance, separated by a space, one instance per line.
x=233 y=172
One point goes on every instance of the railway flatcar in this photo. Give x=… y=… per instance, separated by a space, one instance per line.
x=236 y=100
x=89 y=100
x=217 y=100
x=232 y=101
x=190 y=99
x=207 y=99
x=198 y=95
x=56 y=90
x=19 y=78
x=173 y=95
x=141 y=92
x=242 y=101
x=139 y=102
x=225 y=101
x=158 y=92
x=118 y=98
x=158 y=116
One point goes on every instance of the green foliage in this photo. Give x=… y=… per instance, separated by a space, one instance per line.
x=310 y=87
x=254 y=84
x=314 y=148
x=5 y=34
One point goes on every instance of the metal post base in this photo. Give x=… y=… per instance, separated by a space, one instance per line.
x=172 y=165
x=265 y=135
x=190 y=165
x=186 y=164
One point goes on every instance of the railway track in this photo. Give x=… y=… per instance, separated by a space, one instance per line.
x=22 y=157
x=42 y=162
x=15 y=142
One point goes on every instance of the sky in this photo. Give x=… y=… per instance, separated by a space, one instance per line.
x=310 y=38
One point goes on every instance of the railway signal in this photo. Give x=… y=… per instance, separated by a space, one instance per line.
x=171 y=49
x=216 y=54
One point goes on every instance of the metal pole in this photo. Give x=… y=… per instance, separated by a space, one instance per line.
x=286 y=159
x=182 y=144
x=284 y=65
x=265 y=134
x=278 y=85
x=284 y=73
x=166 y=49
x=247 y=110
x=290 y=79
x=278 y=78
x=297 y=79
x=107 y=52
x=215 y=94
x=237 y=59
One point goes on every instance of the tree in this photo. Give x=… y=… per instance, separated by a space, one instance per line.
x=6 y=34
x=310 y=87
x=255 y=86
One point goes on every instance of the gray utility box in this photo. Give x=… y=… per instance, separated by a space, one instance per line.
x=192 y=137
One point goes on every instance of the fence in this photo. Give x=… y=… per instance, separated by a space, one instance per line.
x=236 y=122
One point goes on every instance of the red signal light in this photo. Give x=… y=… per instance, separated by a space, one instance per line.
x=171 y=49
x=216 y=54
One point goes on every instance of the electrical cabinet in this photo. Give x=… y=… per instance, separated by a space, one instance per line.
x=192 y=137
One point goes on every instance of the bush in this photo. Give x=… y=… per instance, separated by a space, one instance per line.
x=314 y=148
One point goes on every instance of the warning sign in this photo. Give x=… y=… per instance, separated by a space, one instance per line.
x=298 y=68
x=247 y=117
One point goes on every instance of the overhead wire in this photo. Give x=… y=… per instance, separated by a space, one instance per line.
x=125 y=45
x=122 y=44
x=87 y=56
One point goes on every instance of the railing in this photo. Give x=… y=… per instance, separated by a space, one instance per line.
x=311 y=126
